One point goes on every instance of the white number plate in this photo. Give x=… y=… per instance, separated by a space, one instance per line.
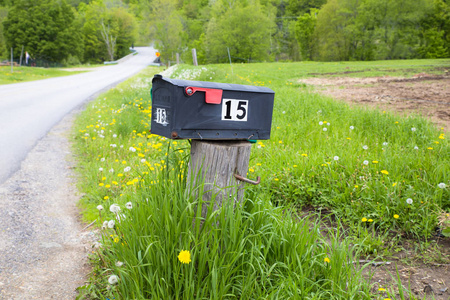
x=234 y=110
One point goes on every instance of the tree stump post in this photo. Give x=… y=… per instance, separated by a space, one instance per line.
x=214 y=163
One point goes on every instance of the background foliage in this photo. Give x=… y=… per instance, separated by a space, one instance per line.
x=252 y=30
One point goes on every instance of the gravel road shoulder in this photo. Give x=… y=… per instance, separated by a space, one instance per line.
x=43 y=249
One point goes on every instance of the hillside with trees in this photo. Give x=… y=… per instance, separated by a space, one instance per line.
x=82 y=31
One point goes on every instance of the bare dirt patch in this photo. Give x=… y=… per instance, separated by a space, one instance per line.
x=425 y=94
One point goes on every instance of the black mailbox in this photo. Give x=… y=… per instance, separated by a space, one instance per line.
x=184 y=109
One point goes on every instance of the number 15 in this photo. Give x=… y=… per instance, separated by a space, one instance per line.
x=234 y=110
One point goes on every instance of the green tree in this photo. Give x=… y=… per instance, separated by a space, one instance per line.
x=167 y=28
x=3 y=14
x=304 y=30
x=245 y=30
x=46 y=29
x=435 y=34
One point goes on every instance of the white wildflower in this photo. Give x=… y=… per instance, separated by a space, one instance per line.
x=385 y=143
x=132 y=149
x=113 y=279
x=352 y=127
x=119 y=263
x=442 y=185
x=100 y=169
x=336 y=158
x=100 y=207
x=114 y=135
x=102 y=159
x=324 y=129
x=365 y=147
x=320 y=123
x=114 y=208
x=127 y=169
x=111 y=170
x=328 y=124
x=409 y=201
x=143 y=160
x=129 y=205
x=416 y=148
x=111 y=224
x=366 y=162
x=413 y=129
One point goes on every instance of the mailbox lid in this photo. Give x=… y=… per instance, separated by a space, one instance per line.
x=215 y=85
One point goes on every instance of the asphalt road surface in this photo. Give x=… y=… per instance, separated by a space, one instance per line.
x=29 y=110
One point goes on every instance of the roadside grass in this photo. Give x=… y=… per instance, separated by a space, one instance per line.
x=364 y=170
x=22 y=74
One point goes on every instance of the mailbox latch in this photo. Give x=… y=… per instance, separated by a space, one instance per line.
x=212 y=96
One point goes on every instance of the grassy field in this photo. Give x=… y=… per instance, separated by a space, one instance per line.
x=22 y=74
x=380 y=176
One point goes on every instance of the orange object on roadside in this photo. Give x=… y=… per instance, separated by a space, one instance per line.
x=157 y=54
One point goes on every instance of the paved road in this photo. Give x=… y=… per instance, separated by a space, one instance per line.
x=29 y=110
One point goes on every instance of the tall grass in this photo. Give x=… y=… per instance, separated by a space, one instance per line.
x=262 y=249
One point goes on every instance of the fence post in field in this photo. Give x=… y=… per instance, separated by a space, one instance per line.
x=12 y=60
x=215 y=163
x=194 y=56
x=178 y=58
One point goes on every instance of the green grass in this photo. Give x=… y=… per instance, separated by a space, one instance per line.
x=262 y=250
x=22 y=74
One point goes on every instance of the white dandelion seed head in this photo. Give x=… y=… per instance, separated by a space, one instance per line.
x=132 y=149
x=442 y=185
x=86 y=134
x=127 y=169
x=101 y=136
x=366 y=162
x=114 y=208
x=325 y=129
x=319 y=111
x=259 y=146
x=119 y=263
x=409 y=201
x=114 y=135
x=102 y=159
x=413 y=129
x=352 y=127
x=111 y=170
x=143 y=160
x=284 y=112
x=113 y=145
x=320 y=123
x=336 y=158
x=416 y=148
x=111 y=224
x=328 y=124
x=129 y=205
x=385 y=143
x=100 y=207
x=105 y=225
x=100 y=169
x=121 y=146
x=365 y=147
x=113 y=279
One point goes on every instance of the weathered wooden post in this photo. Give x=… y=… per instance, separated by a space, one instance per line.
x=215 y=163
x=220 y=119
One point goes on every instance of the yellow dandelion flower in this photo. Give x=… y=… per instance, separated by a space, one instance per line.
x=101 y=184
x=396 y=216
x=382 y=289
x=394 y=184
x=430 y=148
x=106 y=197
x=184 y=257
x=370 y=220
x=385 y=172
x=327 y=260
x=304 y=155
x=356 y=186
x=375 y=161
x=364 y=219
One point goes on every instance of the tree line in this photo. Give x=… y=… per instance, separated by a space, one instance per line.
x=220 y=30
